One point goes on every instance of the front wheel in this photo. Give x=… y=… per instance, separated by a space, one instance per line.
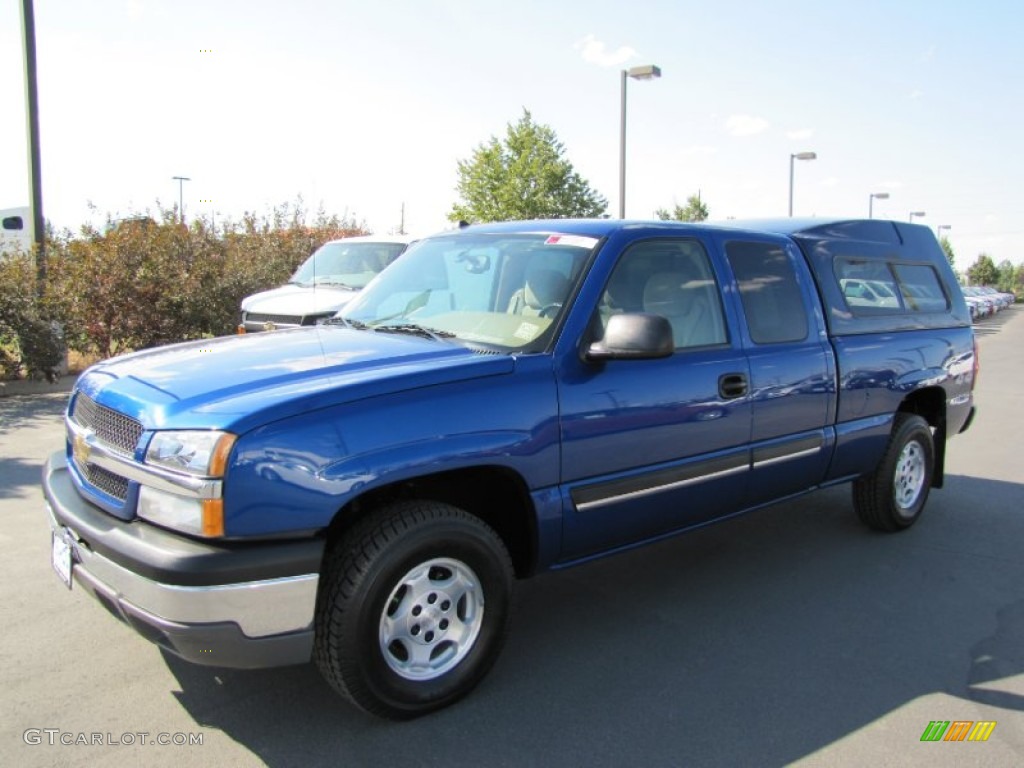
x=893 y=496
x=412 y=609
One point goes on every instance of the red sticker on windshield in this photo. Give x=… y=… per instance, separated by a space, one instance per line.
x=575 y=240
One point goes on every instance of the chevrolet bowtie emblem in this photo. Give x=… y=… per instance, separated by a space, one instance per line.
x=268 y=326
x=80 y=449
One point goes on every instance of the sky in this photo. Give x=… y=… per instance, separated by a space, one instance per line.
x=365 y=108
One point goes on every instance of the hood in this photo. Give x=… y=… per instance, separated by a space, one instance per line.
x=298 y=300
x=240 y=382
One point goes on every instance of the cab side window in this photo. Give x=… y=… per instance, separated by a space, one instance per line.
x=769 y=292
x=671 y=278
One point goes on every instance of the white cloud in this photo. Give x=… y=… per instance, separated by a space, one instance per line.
x=746 y=125
x=929 y=53
x=134 y=9
x=891 y=184
x=916 y=94
x=802 y=133
x=831 y=181
x=595 y=51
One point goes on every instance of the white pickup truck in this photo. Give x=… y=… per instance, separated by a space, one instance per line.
x=325 y=282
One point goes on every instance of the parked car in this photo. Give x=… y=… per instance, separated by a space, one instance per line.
x=987 y=305
x=868 y=293
x=976 y=307
x=1002 y=298
x=324 y=283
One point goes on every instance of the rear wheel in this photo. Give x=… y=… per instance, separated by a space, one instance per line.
x=412 y=609
x=893 y=496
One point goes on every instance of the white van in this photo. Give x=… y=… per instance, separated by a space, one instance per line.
x=324 y=283
x=15 y=229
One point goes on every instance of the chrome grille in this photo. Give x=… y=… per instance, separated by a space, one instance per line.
x=116 y=430
x=106 y=481
x=259 y=317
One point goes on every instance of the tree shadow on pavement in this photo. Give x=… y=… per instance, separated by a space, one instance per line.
x=19 y=412
x=18 y=474
x=999 y=657
x=18 y=470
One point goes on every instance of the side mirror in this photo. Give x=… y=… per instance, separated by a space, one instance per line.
x=634 y=336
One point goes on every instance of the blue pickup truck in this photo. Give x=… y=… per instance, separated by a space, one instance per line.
x=502 y=400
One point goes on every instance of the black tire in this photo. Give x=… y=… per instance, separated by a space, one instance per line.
x=893 y=496
x=413 y=608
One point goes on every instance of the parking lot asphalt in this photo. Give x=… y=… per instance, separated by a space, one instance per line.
x=792 y=635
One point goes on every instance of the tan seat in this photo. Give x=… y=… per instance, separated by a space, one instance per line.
x=544 y=292
x=673 y=296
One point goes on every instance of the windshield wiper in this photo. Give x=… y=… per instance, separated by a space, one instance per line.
x=339 y=320
x=336 y=283
x=414 y=330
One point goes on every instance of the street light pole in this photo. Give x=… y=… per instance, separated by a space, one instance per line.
x=35 y=172
x=914 y=214
x=792 y=157
x=938 y=230
x=646 y=72
x=181 y=183
x=871 y=199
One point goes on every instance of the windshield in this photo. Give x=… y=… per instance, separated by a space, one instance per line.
x=350 y=265
x=504 y=291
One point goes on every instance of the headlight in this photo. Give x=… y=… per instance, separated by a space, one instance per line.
x=200 y=454
x=204 y=454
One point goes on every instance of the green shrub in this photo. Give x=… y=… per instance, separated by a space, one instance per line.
x=144 y=282
x=31 y=340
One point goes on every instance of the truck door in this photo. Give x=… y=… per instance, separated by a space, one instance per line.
x=650 y=446
x=792 y=383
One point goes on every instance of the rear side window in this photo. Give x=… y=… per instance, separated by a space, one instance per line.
x=868 y=286
x=884 y=287
x=770 y=293
x=920 y=288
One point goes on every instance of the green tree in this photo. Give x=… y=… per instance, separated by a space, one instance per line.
x=695 y=210
x=1007 y=280
x=526 y=176
x=947 y=248
x=983 y=271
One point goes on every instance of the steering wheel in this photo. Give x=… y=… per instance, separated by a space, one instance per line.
x=550 y=310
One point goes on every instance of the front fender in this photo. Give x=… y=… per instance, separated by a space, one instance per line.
x=292 y=476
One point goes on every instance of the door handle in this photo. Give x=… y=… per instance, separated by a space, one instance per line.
x=732 y=385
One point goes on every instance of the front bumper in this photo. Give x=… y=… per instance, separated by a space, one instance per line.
x=968 y=420
x=219 y=604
